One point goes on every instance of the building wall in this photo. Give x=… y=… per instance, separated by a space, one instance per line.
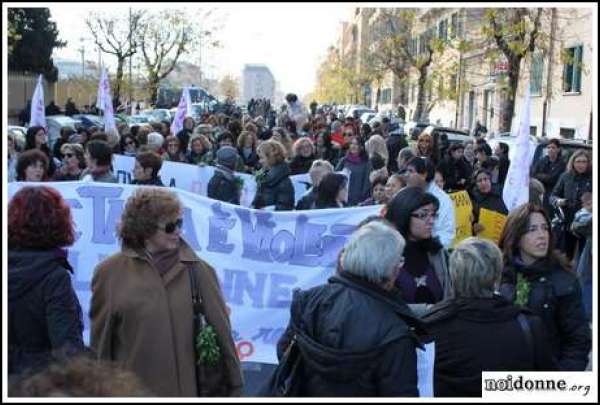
x=258 y=82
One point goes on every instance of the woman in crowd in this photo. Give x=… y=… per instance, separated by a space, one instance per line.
x=173 y=151
x=483 y=196
x=324 y=148
x=65 y=134
x=129 y=145
x=318 y=170
x=155 y=143
x=355 y=331
x=424 y=279
x=150 y=333
x=425 y=147
x=98 y=159
x=246 y=145
x=357 y=163
x=567 y=195
x=469 y=153
x=332 y=191
x=303 y=155
x=32 y=166
x=477 y=330
x=534 y=276
x=73 y=163
x=13 y=158
x=280 y=135
x=394 y=184
x=185 y=133
x=44 y=316
x=377 y=192
x=37 y=138
x=146 y=169
x=378 y=156
x=200 y=152
x=274 y=187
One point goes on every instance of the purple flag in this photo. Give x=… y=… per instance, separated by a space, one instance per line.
x=104 y=102
x=38 y=112
x=183 y=110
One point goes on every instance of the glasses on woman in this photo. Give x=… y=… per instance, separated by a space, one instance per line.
x=424 y=215
x=172 y=226
x=129 y=143
x=69 y=155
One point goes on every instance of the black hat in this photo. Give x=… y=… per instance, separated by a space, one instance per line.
x=404 y=203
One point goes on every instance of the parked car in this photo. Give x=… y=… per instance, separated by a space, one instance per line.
x=414 y=129
x=366 y=117
x=568 y=147
x=19 y=134
x=55 y=123
x=138 y=119
x=89 y=120
x=358 y=110
x=511 y=141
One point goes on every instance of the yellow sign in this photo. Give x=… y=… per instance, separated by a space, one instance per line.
x=493 y=224
x=462 y=215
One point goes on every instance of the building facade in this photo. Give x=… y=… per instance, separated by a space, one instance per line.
x=257 y=82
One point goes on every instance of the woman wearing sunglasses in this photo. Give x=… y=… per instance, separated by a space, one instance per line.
x=141 y=308
x=73 y=163
x=424 y=280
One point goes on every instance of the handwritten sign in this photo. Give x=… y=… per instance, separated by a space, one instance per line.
x=493 y=223
x=463 y=209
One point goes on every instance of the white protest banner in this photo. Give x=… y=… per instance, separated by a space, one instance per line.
x=104 y=102
x=194 y=178
x=38 y=111
x=516 y=186
x=260 y=257
x=183 y=109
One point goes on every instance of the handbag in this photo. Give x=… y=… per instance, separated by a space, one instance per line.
x=286 y=378
x=211 y=380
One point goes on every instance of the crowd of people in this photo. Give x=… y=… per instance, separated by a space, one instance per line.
x=523 y=304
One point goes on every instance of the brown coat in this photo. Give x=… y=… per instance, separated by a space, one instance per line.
x=145 y=322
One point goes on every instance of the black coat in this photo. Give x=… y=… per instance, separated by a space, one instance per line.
x=356 y=340
x=454 y=171
x=252 y=161
x=44 y=315
x=222 y=187
x=490 y=201
x=555 y=295
x=275 y=188
x=549 y=172
x=155 y=181
x=571 y=186
x=482 y=334
x=395 y=143
x=300 y=164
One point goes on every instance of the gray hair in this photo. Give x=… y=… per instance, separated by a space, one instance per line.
x=406 y=154
x=155 y=140
x=318 y=170
x=475 y=268
x=374 y=252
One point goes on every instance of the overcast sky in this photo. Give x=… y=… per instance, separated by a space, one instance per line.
x=291 y=39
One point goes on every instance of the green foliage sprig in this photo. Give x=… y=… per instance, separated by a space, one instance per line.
x=207 y=346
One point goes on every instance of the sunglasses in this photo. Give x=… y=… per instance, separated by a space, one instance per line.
x=172 y=226
x=69 y=155
x=129 y=143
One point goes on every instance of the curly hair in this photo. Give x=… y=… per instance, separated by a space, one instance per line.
x=142 y=214
x=273 y=151
x=30 y=157
x=301 y=142
x=242 y=139
x=79 y=376
x=39 y=218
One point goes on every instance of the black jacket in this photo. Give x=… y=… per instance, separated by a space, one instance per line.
x=571 y=186
x=482 y=334
x=300 y=165
x=308 y=201
x=275 y=188
x=395 y=143
x=253 y=161
x=555 y=295
x=490 y=201
x=355 y=339
x=454 y=171
x=222 y=187
x=44 y=315
x=549 y=172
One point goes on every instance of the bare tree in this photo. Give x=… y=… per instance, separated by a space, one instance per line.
x=166 y=36
x=115 y=35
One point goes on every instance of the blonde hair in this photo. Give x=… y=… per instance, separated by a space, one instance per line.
x=273 y=151
x=577 y=154
x=299 y=143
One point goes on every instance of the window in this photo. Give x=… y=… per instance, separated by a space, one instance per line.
x=386 y=96
x=572 y=70
x=453 y=25
x=443 y=30
x=452 y=87
x=535 y=80
x=532 y=130
x=567 y=133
